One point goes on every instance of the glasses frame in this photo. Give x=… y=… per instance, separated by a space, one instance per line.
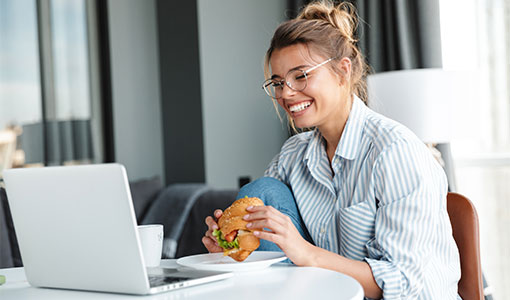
x=268 y=82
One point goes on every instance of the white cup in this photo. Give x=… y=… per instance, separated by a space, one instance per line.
x=151 y=240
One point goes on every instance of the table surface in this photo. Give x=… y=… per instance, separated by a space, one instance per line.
x=280 y=281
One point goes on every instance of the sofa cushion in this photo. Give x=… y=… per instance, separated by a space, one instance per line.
x=190 y=241
x=143 y=193
x=171 y=209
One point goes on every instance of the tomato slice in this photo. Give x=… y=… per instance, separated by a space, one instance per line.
x=231 y=236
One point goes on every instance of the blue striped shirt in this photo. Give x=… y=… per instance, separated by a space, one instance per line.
x=382 y=200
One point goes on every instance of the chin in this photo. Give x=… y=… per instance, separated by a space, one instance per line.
x=302 y=124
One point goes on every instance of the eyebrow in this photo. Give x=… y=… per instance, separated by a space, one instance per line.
x=295 y=68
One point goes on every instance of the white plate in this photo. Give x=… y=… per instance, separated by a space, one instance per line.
x=217 y=262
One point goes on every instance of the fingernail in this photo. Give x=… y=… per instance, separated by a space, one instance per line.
x=246 y=217
x=215 y=227
x=248 y=225
x=249 y=207
x=256 y=233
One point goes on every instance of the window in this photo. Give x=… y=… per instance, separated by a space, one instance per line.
x=20 y=90
x=67 y=97
x=47 y=89
x=20 y=95
x=475 y=39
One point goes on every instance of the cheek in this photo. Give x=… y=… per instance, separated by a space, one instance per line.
x=280 y=102
x=317 y=87
x=324 y=91
x=313 y=91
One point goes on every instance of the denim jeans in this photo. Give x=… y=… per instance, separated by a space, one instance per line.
x=276 y=194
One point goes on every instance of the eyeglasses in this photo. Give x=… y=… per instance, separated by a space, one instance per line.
x=295 y=79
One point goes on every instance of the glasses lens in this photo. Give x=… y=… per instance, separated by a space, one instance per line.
x=296 y=80
x=273 y=88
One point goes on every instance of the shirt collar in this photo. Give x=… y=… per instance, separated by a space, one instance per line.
x=314 y=145
x=349 y=142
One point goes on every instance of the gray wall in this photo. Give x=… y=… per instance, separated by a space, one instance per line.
x=135 y=87
x=181 y=103
x=241 y=130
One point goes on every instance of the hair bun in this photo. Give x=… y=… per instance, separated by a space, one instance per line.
x=343 y=16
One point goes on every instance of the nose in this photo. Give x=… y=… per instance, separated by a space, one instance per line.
x=287 y=92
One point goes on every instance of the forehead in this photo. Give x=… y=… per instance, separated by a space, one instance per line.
x=284 y=59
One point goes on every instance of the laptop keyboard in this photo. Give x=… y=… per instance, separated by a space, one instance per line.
x=155 y=281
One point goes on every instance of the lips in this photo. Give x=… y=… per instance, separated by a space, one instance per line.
x=299 y=107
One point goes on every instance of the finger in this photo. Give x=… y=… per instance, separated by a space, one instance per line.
x=213 y=239
x=218 y=213
x=252 y=208
x=266 y=223
x=274 y=210
x=267 y=208
x=266 y=216
x=267 y=213
x=210 y=245
x=268 y=236
x=208 y=234
x=211 y=223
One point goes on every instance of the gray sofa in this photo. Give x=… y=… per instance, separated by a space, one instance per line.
x=181 y=208
x=9 y=251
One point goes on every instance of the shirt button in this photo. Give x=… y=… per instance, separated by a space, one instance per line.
x=322 y=230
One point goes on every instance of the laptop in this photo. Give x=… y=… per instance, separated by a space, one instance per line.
x=77 y=229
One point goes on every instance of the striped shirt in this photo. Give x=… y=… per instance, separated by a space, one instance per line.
x=382 y=200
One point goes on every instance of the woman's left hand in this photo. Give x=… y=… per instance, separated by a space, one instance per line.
x=281 y=231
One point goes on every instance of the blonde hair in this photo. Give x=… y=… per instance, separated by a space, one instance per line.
x=327 y=30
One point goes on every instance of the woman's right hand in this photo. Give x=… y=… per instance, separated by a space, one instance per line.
x=208 y=239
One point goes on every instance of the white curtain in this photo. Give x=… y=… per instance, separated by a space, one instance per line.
x=476 y=39
x=68 y=107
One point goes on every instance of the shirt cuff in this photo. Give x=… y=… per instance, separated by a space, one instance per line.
x=388 y=277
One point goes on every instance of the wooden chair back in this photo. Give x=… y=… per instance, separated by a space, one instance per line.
x=464 y=220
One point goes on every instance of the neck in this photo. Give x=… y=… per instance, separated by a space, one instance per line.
x=332 y=129
x=332 y=134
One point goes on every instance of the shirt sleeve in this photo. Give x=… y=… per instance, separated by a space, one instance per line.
x=410 y=187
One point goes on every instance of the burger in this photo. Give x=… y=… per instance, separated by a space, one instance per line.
x=232 y=235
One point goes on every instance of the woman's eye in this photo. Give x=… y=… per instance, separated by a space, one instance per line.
x=277 y=85
x=300 y=76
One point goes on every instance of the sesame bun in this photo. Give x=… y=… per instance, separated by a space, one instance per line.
x=232 y=219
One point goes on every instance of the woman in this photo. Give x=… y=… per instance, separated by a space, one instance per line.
x=358 y=194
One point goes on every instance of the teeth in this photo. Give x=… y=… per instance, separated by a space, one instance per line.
x=299 y=107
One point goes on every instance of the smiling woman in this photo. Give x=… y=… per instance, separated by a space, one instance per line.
x=320 y=89
x=326 y=45
x=359 y=193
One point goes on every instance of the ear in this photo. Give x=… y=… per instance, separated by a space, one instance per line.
x=344 y=65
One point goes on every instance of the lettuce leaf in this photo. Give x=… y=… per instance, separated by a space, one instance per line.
x=223 y=243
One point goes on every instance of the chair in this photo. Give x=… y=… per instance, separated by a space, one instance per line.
x=464 y=220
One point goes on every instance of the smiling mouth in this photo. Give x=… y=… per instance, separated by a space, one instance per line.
x=300 y=106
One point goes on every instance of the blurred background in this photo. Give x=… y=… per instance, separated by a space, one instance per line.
x=172 y=89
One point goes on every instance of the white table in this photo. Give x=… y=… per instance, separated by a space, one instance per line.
x=279 y=281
